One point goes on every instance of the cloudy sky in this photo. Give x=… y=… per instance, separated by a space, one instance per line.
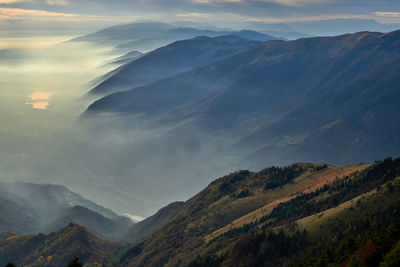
x=17 y=14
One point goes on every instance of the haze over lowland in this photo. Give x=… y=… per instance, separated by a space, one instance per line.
x=199 y=133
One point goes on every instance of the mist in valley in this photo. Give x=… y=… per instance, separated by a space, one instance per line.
x=176 y=133
x=138 y=150
x=130 y=164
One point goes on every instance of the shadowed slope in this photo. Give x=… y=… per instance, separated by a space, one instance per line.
x=56 y=248
x=281 y=93
x=171 y=59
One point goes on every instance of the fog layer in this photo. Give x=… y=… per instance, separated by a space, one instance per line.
x=134 y=170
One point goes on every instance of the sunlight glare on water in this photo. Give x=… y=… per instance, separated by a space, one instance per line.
x=39 y=105
x=42 y=87
x=39 y=100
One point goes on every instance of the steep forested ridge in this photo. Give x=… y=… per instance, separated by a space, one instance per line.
x=241 y=220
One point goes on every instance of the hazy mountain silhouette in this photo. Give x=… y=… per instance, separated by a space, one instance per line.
x=173 y=58
x=333 y=27
x=147 y=36
x=142 y=36
x=111 y=229
x=30 y=208
x=128 y=57
x=280 y=92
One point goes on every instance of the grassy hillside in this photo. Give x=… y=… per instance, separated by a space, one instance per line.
x=339 y=220
x=278 y=216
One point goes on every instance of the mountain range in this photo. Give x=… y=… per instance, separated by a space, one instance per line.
x=331 y=27
x=292 y=215
x=324 y=27
x=325 y=99
x=31 y=208
x=147 y=36
x=281 y=97
x=176 y=57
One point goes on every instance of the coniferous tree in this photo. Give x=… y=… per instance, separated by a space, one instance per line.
x=75 y=263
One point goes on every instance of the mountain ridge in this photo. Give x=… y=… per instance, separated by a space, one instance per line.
x=178 y=242
x=171 y=59
x=28 y=208
x=265 y=94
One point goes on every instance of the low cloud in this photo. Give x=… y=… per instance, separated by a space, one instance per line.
x=215 y=1
x=383 y=17
x=192 y=15
x=291 y=3
x=295 y=3
x=15 y=1
x=19 y=14
x=50 y=2
x=134 y=218
x=58 y=2
x=387 y=17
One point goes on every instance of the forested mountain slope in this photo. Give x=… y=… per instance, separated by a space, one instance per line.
x=55 y=249
x=298 y=215
x=280 y=216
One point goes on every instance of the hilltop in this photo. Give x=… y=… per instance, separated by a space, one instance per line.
x=276 y=215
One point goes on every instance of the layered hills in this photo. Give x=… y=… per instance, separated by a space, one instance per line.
x=31 y=208
x=147 y=36
x=285 y=97
x=297 y=215
x=173 y=58
x=330 y=99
